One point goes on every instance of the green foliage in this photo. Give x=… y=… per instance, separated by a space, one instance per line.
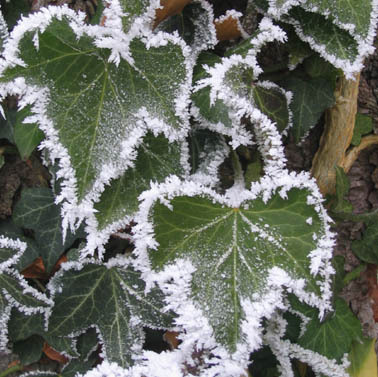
x=138 y=122
x=363 y=126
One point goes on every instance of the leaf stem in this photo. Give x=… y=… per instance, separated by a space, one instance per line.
x=14 y=368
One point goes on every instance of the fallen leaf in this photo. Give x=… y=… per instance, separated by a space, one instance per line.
x=371 y=275
x=54 y=355
x=37 y=269
x=171 y=337
x=170 y=8
x=227 y=28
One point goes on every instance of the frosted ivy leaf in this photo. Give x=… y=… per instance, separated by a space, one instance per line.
x=15 y=292
x=244 y=248
x=156 y=160
x=132 y=10
x=94 y=112
x=226 y=89
x=341 y=31
x=110 y=297
x=195 y=24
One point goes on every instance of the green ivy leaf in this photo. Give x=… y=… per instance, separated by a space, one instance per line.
x=218 y=113
x=310 y=99
x=341 y=205
x=233 y=250
x=334 y=336
x=336 y=41
x=22 y=326
x=362 y=126
x=157 y=159
x=94 y=103
x=10 y=230
x=37 y=210
x=113 y=300
x=132 y=10
x=195 y=25
x=366 y=248
x=29 y=350
x=13 y=10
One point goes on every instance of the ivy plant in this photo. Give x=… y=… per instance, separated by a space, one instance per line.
x=137 y=118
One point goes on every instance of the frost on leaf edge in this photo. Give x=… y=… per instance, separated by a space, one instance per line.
x=180 y=272
x=72 y=212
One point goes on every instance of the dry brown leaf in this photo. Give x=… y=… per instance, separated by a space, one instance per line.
x=227 y=28
x=170 y=8
x=171 y=337
x=337 y=135
x=54 y=355
x=37 y=269
x=371 y=276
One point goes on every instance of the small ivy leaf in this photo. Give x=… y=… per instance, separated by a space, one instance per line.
x=10 y=230
x=333 y=336
x=208 y=150
x=14 y=10
x=29 y=350
x=111 y=298
x=341 y=205
x=22 y=326
x=363 y=126
x=14 y=289
x=195 y=25
x=234 y=245
x=366 y=248
x=26 y=136
x=87 y=343
x=341 y=32
x=363 y=359
x=70 y=76
x=310 y=99
x=97 y=17
x=157 y=159
x=37 y=210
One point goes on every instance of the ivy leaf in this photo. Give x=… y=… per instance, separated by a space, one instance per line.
x=195 y=24
x=111 y=298
x=363 y=126
x=334 y=336
x=37 y=210
x=366 y=248
x=341 y=205
x=233 y=248
x=13 y=10
x=10 y=230
x=14 y=289
x=132 y=10
x=22 y=326
x=145 y=91
x=29 y=350
x=157 y=159
x=310 y=99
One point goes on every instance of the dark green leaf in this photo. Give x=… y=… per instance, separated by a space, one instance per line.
x=363 y=126
x=13 y=10
x=111 y=299
x=341 y=205
x=157 y=159
x=227 y=248
x=310 y=99
x=37 y=210
x=366 y=249
x=334 y=336
x=29 y=350
x=80 y=78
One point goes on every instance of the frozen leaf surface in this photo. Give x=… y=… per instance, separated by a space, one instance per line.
x=236 y=247
x=95 y=110
x=110 y=298
x=14 y=290
x=37 y=210
x=334 y=336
